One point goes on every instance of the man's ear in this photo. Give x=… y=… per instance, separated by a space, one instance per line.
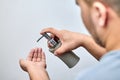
x=99 y=14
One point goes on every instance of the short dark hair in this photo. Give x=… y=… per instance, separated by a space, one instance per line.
x=114 y=4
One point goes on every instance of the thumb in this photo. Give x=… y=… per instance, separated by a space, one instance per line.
x=61 y=50
x=23 y=64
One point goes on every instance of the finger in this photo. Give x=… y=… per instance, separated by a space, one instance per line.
x=50 y=30
x=49 y=44
x=61 y=50
x=31 y=54
x=43 y=57
x=39 y=55
x=35 y=55
x=51 y=35
x=54 y=37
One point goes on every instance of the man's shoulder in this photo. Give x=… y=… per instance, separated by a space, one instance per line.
x=107 y=69
x=112 y=55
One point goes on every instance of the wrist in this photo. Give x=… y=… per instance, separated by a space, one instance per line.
x=35 y=68
x=38 y=73
x=84 y=40
x=88 y=41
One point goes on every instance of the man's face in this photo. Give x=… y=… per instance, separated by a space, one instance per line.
x=86 y=16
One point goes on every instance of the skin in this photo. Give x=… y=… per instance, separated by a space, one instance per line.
x=77 y=40
x=103 y=24
x=35 y=65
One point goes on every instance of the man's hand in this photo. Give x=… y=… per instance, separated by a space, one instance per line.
x=72 y=40
x=35 y=65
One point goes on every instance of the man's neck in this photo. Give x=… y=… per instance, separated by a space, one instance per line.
x=113 y=44
x=113 y=38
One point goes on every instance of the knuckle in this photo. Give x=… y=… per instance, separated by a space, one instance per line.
x=51 y=28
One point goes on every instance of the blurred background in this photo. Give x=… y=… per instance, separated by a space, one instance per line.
x=20 y=24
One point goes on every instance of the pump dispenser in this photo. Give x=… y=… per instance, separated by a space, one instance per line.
x=69 y=58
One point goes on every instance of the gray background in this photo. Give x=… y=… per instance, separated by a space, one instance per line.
x=20 y=24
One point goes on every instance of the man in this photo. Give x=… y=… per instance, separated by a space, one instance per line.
x=102 y=19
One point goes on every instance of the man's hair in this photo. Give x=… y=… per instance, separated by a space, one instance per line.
x=114 y=4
